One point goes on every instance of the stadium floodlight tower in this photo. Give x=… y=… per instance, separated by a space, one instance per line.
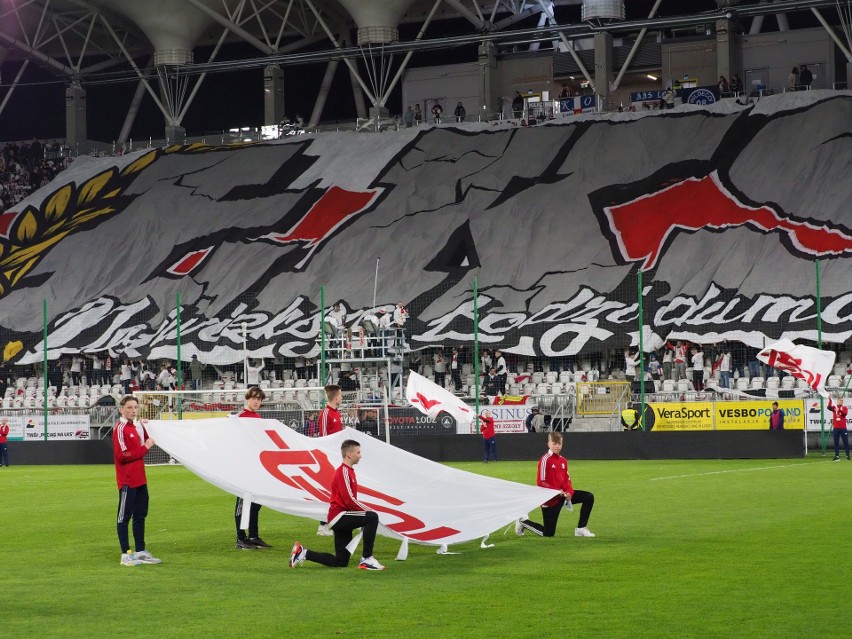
x=602 y=11
x=173 y=28
x=378 y=22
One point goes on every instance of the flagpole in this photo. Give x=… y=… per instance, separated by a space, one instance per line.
x=641 y=351
x=476 y=342
x=323 y=381
x=376 y=282
x=823 y=435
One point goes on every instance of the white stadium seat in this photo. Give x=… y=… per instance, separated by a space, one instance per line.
x=788 y=382
x=757 y=382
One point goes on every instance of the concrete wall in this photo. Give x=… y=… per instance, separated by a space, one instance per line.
x=694 y=58
x=778 y=52
x=451 y=83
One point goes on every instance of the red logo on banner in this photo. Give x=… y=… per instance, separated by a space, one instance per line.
x=311 y=472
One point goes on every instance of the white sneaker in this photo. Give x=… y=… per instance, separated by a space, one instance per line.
x=324 y=531
x=370 y=563
x=129 y=559
x=583 y=532
x=297 y=555
x=144 y=557
x=519 y=527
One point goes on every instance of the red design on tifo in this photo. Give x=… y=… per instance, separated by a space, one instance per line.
x=642 y=226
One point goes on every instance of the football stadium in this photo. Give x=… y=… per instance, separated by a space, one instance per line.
x=539 y=309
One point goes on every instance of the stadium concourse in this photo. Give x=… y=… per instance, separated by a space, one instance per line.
x=236 y=255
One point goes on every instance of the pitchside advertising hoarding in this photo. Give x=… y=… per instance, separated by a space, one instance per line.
x=58 y=427
x=813 y=416
x=747 y=415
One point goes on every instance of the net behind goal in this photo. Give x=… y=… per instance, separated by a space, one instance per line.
x=363 y=410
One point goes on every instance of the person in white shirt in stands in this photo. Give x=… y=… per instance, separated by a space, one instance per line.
x=697 y=369
x=502 y=370
x=400 y=315
x=725 y=366
x=385 y=328
x=300 y=368
x=98 y=373
x=253 y=373
x=164 y=379
x=336 y=317
x=370 y=324
x=440 y=367
x=76 y=369
x=631 y=361
x=127 y=370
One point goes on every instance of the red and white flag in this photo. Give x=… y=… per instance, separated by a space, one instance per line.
x=802 y=362
x=431 y=399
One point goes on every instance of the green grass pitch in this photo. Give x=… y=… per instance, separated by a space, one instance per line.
x=684 y=549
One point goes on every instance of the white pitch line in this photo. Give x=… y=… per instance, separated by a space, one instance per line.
x=722 y=472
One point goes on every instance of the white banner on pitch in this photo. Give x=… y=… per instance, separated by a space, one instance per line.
x=415 y=498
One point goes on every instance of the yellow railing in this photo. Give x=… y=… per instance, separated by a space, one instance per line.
x=601 y=398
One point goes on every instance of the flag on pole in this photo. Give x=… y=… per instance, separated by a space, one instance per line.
x=431 y=399
x=802 y=362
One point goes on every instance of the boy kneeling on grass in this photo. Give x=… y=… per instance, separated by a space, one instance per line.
x=345 y=514
x=553 y=473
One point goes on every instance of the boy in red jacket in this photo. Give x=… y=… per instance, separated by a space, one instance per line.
x=130 y=444
x=838 y=423
x=345 y=514
x=250 y=540
x=553 y=473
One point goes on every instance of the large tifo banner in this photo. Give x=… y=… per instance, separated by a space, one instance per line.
x=746 y=415
x=727 y=232
x=416 y=499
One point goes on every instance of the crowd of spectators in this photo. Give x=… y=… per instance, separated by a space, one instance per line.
x=26 y=167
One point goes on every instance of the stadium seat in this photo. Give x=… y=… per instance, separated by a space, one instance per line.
x=300 y=383
x=788 y=382
x=542 y=389
x=550 y=378
x=833 y=381
x=315 y=382
x=800 y=383
x=773 y=382
x=757 y=382
x=668 y=386
x=839 y=369
x=683 y=386
x=579 y=376
x=565 y=376
x=537 y=378
x=742 y=383
x=289 y=383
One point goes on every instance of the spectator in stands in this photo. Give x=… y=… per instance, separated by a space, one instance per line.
x=668 y=358
x=408 y=118
x=738 y=358
x=535 y=421
x=725 y=366
x=311 y=428
x=491 y=384
x=196 y=372
x=76 y=369
x=806 y=78
x=697 y=368
x=518 y=104
x=299 y=367
x=753 y=362
x=460 y=112
x=502 y=370
x=793 y=80
x=654 y=366
x=839 y=429
x=455 y=368
x=776 y=418
x=736 y=84
x=437 y=112
x=98 y=375
x=553 y=473
x=679 y=360
x=347 y=383
x=147 y=378
x=487 y=430
x=566 y=92
x=164 y=380
x=127 y=370
x=54 y=374
x=5 y=377
x=418 y=115
x=668 y=99
x=440 y=368
x=631 y=361
x=253 y=371
x=724 y=87
x=485 y=361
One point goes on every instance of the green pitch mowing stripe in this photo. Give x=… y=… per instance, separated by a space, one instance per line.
x=720 y=549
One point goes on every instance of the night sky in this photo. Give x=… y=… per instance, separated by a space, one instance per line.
x=233 y=99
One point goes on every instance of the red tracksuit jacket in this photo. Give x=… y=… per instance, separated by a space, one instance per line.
x=128 y=447
x=553 y=473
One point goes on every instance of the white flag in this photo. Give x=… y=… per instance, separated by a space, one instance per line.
x=802 y=362
x=267 y=463
x=431 y=399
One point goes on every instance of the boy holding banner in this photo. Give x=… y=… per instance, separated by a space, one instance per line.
x=553 y=473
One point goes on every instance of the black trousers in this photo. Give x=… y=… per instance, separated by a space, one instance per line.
x=342 y=529
x=132 y=504
x=838 y=433
x=440 y=379
x=238 y=514
x=457 y=380
x=550 y=514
